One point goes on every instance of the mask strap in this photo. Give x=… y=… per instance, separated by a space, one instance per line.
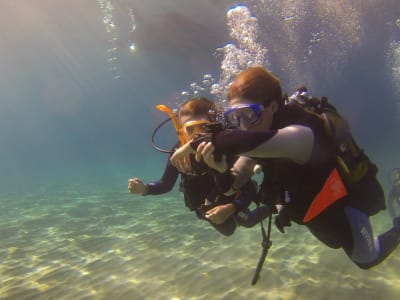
x=174 y=119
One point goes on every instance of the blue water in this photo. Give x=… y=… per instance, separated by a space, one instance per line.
x=76 y=116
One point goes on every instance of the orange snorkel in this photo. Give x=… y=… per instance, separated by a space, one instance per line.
x=178 y=128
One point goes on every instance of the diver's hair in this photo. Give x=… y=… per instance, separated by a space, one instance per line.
x=199 y=107
x=258 y=85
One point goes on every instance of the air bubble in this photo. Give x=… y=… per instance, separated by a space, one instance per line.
x=133 y=27
x=245 y=50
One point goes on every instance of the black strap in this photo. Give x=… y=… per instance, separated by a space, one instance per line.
x=153 y=137
x=266 y=244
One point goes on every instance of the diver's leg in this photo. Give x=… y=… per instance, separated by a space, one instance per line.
x=366 y=251
x=393 y=201
x=249 y=218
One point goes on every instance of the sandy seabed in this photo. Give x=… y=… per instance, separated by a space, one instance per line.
x=74 y=243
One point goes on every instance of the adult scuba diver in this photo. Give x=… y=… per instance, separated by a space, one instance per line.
x=312 y=166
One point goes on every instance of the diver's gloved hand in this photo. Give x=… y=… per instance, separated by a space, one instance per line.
x=281 y=223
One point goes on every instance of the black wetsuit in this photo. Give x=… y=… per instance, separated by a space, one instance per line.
x=302 y=182
x=211 y=185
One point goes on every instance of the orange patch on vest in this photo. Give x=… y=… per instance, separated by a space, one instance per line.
x=332 y=191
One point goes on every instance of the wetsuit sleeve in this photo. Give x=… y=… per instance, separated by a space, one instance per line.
x=293 y=142
x=237 y=141
x=165 y=183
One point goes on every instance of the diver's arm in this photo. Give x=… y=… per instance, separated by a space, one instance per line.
x=293 y=142
x=234 y=179
x=228 y=180
x=229 y=173
x=165 y=183
x=240 y=173
x=242 y=170
x=220 y=213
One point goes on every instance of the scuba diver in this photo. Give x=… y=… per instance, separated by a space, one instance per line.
x=312 y=166
x=206 y=191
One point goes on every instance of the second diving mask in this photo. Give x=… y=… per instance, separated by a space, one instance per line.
x=191 y=128
x=186 y=132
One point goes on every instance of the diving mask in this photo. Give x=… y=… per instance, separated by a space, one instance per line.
x=194 y=127
x=244 y=115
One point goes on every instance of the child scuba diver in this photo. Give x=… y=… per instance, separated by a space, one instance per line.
x=205 y=190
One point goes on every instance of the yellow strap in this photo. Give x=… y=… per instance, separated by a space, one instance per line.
x=174 y=119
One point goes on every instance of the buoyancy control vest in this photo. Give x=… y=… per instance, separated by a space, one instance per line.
x=334 y=149
x=352 y=163
x=200 y=189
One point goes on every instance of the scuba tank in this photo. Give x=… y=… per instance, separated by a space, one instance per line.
x=352 y=162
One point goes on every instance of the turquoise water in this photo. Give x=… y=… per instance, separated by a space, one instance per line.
x=76 y=116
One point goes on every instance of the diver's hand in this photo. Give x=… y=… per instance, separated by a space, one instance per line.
x=205 y=150
x=136 y=186
x=220 y=213
x=180 y=158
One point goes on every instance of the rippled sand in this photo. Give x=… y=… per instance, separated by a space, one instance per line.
x=75 y=244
